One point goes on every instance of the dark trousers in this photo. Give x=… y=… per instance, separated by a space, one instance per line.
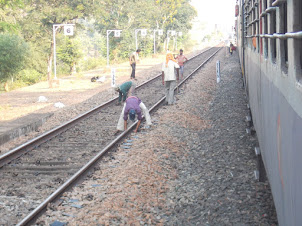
x=133 y=70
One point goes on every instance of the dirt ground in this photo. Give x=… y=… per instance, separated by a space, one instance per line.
x=77 y=93
x=67 y=90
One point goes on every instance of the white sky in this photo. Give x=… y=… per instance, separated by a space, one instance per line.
x=221 y=12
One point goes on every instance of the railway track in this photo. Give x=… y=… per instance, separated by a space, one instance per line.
x=39 y=169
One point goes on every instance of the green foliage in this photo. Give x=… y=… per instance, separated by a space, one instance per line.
x=9 y=28
x=33 y=20
x=12 y=55
x=29 y=76
x=10 y=3
x=37 y=59
x=91 y=63
x=69 y=53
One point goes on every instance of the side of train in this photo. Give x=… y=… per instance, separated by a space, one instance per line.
x=269 y=40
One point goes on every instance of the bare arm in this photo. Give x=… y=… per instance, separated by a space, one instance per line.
x=177 y=70
x=163 y=77
x=125 y=125
x=137 y=126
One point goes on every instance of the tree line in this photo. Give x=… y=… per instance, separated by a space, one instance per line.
x=26 y=33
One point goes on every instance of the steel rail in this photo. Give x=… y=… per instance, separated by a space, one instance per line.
x=89 y=165
x=31 y=144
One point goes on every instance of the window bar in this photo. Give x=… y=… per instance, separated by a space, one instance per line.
x=270 y=9
x=294 y=35
x=279 y=2
x=263 y=14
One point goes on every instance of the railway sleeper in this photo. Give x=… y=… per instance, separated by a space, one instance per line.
x=48 y=163
x=26 y=173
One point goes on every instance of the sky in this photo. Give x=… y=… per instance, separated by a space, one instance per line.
x=211 y=12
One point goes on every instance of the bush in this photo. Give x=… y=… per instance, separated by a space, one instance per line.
x=29 y=76
x=91 y=63
x=13 y=53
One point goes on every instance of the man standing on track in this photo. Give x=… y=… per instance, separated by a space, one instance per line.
x=126 y=89
x=133 y=106
x=181 y=59
x=231 y=48
x=133 y=59
x=168 y=77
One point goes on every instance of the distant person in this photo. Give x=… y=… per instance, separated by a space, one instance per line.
x=181 y=59
x=231 y=48
x=124 y=90
x=169 y=77
x=133 y=59
x=132 y=107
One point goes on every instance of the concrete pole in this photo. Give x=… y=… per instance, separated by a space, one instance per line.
x=154 y=41
x=54 y=52
x=136 y=46
x=108 y=32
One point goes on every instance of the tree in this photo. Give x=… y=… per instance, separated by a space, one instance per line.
x=69 y=53
x=12 y=55
x=43 y=14
x=10 y=3
x=9 y=14
x=149 y=14
x=34 y=19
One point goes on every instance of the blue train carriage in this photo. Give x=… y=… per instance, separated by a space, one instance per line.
x=269 y=34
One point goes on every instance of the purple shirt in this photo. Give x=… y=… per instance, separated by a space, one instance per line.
x=133 y=103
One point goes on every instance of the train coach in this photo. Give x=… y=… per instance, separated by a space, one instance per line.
x=269 y=36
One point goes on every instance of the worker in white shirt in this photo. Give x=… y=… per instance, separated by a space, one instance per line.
x=169 y=78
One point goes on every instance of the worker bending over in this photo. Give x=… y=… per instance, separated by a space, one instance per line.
x=124 y=90
x=132 y=107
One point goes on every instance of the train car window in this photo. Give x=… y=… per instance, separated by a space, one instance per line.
x=265 y=39
x=254 y=26
x=257 y=25
x=265 y=29
x=284 y=45
x=297 y=26
x=260 y=27
x=245 y=22
x=273 y=29
x=249 y=21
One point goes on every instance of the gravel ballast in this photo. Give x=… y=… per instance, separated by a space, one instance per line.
x=194 y=166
